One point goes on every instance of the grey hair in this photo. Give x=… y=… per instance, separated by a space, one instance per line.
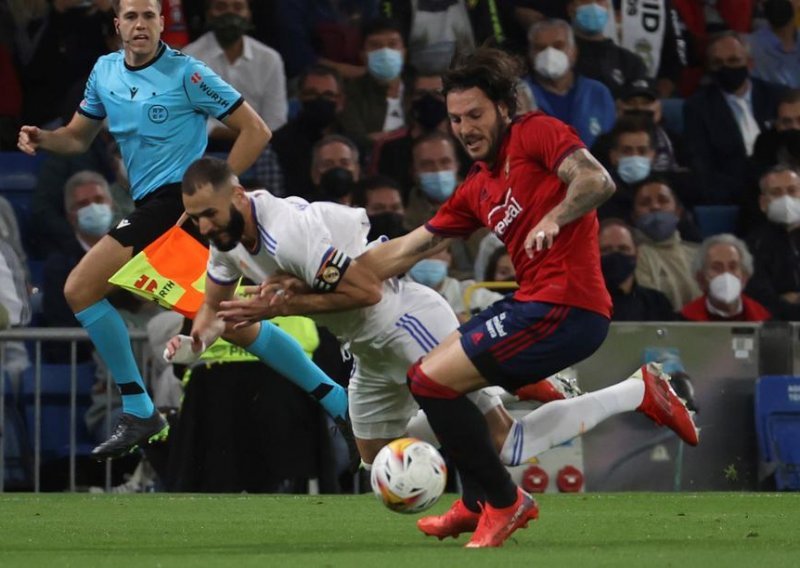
x=548 y=24
x=83 y=177
x=776 y=169
x=328 y=140
x=699 y=261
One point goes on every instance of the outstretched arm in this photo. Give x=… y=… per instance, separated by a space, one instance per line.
x=207 y=326
x=397 y=256
x=588 y=186
x=74 y=138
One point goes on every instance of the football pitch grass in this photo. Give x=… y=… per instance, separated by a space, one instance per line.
x=621 y=529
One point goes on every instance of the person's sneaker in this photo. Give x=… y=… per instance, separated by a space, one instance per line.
x=346 y=429
x=663 y=406
x=129 y=433
x=496 y=525
x=458 y=519
x=557 y=387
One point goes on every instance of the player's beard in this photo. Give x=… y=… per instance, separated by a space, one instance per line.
x=500 y=127
x=233 y=231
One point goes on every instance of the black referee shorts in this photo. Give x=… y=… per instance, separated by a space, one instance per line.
x=153 y=216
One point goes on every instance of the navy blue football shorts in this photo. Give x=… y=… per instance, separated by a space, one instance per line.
x=515 y=343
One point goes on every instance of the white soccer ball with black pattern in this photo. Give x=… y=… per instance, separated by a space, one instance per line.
x=408 y=475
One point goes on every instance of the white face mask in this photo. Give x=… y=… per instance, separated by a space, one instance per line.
x=551 y=63
x=784 y=210
x=725 y=288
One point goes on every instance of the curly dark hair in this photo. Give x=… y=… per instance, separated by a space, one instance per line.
x=492 y=70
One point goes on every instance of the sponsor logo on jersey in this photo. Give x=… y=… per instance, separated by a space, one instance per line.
x=213 y=95
x=196 y=78
x=509 y=209
x=495 y=326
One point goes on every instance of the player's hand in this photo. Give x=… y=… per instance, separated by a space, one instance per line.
x=289 y=283
x=29 y=139
x=242 y=312
x=184 y=349
x=541 y=236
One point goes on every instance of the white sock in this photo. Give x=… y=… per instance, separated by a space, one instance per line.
x=557 y=422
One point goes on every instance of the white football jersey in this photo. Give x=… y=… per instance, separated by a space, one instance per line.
x=315 y=242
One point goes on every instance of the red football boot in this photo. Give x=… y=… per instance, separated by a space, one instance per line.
x=457 y=520
x=496 y=525
x=663 y=406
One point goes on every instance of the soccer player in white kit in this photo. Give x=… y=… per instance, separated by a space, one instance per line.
x=317 y=242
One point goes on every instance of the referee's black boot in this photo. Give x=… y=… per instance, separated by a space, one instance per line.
x=131 y=432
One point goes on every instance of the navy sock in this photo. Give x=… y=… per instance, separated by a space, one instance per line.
x=464 y=434
x=110 y=336
x=280 y=351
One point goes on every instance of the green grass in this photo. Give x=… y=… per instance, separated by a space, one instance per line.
x=643 y=530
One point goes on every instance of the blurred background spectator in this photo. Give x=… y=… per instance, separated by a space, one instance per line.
x=335 y=169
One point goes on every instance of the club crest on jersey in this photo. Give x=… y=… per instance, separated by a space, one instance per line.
x=509 y=209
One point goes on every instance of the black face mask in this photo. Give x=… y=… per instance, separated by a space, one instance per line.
x=233 y=232
x=428 y=111
x=730 y=78
x=336 y=183
x=318 y=113
x=229 y=28
x=790 y=139
x=778 y=12
x=617 y=267
x=387 y=224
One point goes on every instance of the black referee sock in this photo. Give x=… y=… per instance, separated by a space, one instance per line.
x=464 y=434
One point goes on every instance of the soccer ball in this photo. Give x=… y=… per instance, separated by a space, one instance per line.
x=408 y=475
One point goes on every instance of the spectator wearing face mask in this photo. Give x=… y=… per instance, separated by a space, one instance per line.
x=776 y=245
x=88 y=207
x=630 y=160
x=435 y=169
x=335 y=169
x=583 y=103
x=426 y=112
x=251 y=67
x=639 y=98
x=287 y=171
x=723 y=119
x=774 y=47
x=722 y=267
x=781 y=143
x=664 y=259
x=599 y=57
x=381 y=197
x=433 y=272
x=632 y=302
x=373 y=106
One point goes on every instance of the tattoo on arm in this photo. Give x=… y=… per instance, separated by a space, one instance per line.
x=588 y=186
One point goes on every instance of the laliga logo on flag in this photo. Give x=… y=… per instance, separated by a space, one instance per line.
x=512 y=210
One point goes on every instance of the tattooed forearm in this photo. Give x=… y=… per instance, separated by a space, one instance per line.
x=588 y=186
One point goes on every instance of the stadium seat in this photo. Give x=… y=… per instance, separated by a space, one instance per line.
x=18 y=171
x=716 y=219
x=55 y=408
x=777 y=413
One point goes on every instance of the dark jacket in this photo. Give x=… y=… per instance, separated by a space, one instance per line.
x=716 y=147
x=777 y=269
x=642 y=304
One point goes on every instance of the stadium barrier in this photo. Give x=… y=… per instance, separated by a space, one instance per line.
x=53 y=397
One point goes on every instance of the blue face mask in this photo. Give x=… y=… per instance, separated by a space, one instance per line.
x=385 y=64
x=95 y=219
x=658 y=225
x=591 y=18
x=438 y=186
x=633 y=168
x=429 y=272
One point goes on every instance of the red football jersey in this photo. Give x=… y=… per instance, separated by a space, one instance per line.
x=512 y=198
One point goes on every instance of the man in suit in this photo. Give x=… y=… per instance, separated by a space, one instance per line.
x=724 y=118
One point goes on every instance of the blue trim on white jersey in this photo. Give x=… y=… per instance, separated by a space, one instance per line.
x=424 y=330
x=418 y=331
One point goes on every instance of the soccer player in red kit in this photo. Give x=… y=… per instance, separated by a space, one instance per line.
x=537 y=187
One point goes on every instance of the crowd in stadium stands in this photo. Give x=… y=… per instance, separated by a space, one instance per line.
x=696 y=116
